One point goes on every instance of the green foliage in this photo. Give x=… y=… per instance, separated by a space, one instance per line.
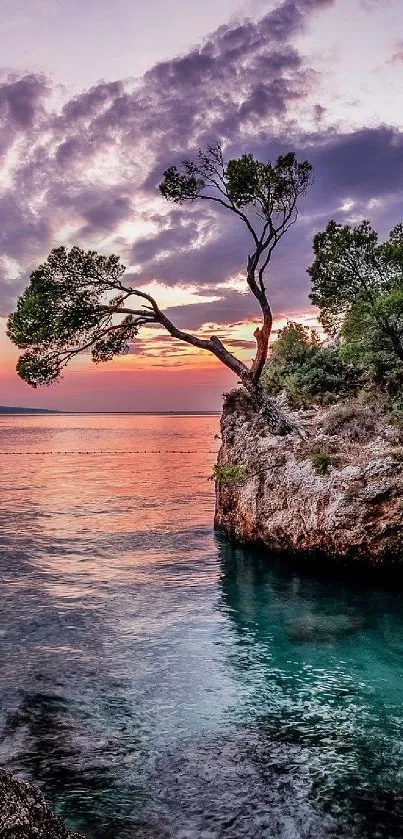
x=294 y=343
x=230 y=474
x=321 y=461
x=307 y=371
x=321 y=378
x=342 y=257
x=395 y=416
x=245 y=179
x=372 y=347
x=66 y=309
x=182 y=186
x=270 y=189
x=357 y=284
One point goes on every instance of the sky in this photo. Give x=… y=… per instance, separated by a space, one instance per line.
x=96 y=100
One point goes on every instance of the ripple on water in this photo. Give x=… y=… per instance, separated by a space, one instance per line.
x=158 y=683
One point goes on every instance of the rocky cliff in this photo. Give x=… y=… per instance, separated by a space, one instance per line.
x=25 y=815
x=334 y=492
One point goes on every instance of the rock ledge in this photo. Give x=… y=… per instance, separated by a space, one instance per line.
x=24 y=813
x=351 y=512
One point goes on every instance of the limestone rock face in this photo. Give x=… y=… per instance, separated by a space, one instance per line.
x=337 y=491
x=25 y=815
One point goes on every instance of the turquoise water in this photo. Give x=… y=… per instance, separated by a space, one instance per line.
x=159 y=682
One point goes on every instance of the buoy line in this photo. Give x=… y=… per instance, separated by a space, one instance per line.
x=110 y=451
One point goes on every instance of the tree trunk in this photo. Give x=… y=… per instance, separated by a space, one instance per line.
x=262 y=335
x=278 y=423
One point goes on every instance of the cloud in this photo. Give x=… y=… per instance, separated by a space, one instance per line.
x=372 y=5
x=231 y=308
x=89 y=173
x=20 y=100
x=78 y=175
x=369 y=162
x=21 y=110
x=397 y=55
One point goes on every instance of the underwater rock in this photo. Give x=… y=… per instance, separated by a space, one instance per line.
x=311 y=627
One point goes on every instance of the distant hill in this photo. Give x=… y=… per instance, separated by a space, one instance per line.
x=12 y=409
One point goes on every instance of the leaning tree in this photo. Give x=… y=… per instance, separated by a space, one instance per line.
x=78 y=300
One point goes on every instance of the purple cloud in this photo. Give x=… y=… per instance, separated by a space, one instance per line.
x=98 y=162
x=20 y=100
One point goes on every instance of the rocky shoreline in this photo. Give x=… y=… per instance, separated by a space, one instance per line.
x=24 y=813
x=334 y=493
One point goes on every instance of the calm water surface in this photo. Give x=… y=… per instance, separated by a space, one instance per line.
x=158 y=683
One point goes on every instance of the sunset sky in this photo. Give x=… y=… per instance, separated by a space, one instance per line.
x=97 y=99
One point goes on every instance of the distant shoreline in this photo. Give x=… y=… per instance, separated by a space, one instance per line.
x=11 y=411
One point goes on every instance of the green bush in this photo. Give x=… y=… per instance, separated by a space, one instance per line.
x=230 y=474
x=365 y=342
x=272 y=379
x=320 y=378
x=321 y=461
x=307 y=371
x=293 y=344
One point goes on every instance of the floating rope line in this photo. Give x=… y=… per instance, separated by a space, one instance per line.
x=122 y=451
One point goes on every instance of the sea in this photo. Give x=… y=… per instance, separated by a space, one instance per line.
x=159 y=682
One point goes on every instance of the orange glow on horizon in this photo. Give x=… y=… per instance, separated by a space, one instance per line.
x=157 y=350
x=162 y=374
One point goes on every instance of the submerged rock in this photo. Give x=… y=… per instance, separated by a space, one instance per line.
x=336 y=491
x=24 y=813
x=311 y=627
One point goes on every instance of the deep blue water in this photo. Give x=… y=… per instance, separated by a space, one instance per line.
x=157 y=682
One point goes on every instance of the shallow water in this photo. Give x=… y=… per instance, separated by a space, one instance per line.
x=157 y=682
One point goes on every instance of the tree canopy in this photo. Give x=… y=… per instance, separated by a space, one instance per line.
x=269 y=191
x=356 y=280
x=263 y=195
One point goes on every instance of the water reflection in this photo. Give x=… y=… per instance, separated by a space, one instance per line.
x=157 y=682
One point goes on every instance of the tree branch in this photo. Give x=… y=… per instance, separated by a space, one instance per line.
x=237 y=212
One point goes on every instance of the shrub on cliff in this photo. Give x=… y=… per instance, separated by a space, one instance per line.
x=321 y=462
x=305 y=370
x=232 y=473
x=351 y=421
x=357 y=285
